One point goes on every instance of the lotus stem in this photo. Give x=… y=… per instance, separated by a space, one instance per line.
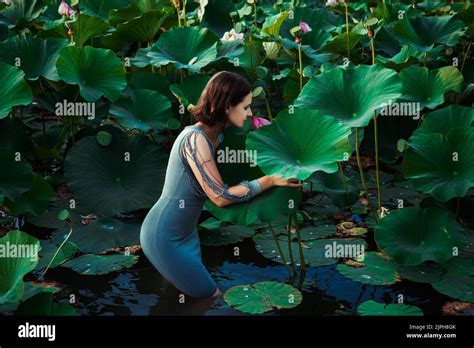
x=377 y=172
x=301 y=65
x=269 y=109
x=300 y=247
x=343 y=178
x=290 y=251
x=466 y=55
x=279 y=248
x=362 y=177
x=255 y=12
x=372 y=48
x=57 y=250
x=346 y=4
x=184 y=13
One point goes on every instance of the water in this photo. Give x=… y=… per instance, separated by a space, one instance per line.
x=141 y=290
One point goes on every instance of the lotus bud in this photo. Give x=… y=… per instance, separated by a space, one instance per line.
x=258 y=122
x=304 y=27
x=331 y=3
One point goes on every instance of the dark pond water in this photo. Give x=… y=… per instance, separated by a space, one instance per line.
x=141 y=290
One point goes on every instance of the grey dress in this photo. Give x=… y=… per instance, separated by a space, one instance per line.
x=168 y=235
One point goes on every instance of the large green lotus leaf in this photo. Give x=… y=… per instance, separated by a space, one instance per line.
x=251 y=58
x=190 y=90
x=339 y=43
x=262 y=297
x=333 y=186
x=318 y=19
x=443 y=120
x=272 y=24
x=264 y=207
x=390 y=12
x=352 y=94
x=97 y=71
x=30 y=290
x=13 y=89
x=304 y=142
x=101 y=8
x=86 y=27
x=141 y=58
x=315 y=252
x=196 y=48
x=381 y=309
x=267 y=205
x=377 y=270
x=13 y=267
x=441 y=164
x=144 y=110
x=36 y=57
x=424 y=273
x=151 y=81
x=458 y=282
x=42 y=304
x=428 y=87
x=407 y=56
x=413 y=235
x=141 y=29
x=424 y=32
x=35 y=200
x=90 y=264
x=16 y=177
x=105 y=233
x=126 y=175
x=216 y=17
x=224 y=235
x=21 y=11
x=230 y=49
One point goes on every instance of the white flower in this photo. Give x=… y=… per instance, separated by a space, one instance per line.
x=331 y=3
x=232 y=35
x=7 y=2
x=250 y=2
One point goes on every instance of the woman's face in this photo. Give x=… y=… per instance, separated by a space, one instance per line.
x=239 y=113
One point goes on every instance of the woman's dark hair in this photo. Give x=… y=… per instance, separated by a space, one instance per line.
x=223 y=90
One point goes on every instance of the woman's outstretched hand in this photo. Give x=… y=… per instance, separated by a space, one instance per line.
x=292 y=182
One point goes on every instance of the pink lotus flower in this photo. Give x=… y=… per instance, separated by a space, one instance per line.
x=258 y=122
x=304 y=27
x=66 y=10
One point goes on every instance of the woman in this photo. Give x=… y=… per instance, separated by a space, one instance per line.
x=168 y=236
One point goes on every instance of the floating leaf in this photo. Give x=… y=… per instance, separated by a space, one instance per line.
x=262 y=297
x=89 y=264
x=42 y=304
x=381 y=309
x=458 y=282
x=378 y=270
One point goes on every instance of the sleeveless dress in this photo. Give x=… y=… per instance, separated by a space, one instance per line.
x=168 y=235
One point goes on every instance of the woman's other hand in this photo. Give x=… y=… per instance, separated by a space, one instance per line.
x=292 y=182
